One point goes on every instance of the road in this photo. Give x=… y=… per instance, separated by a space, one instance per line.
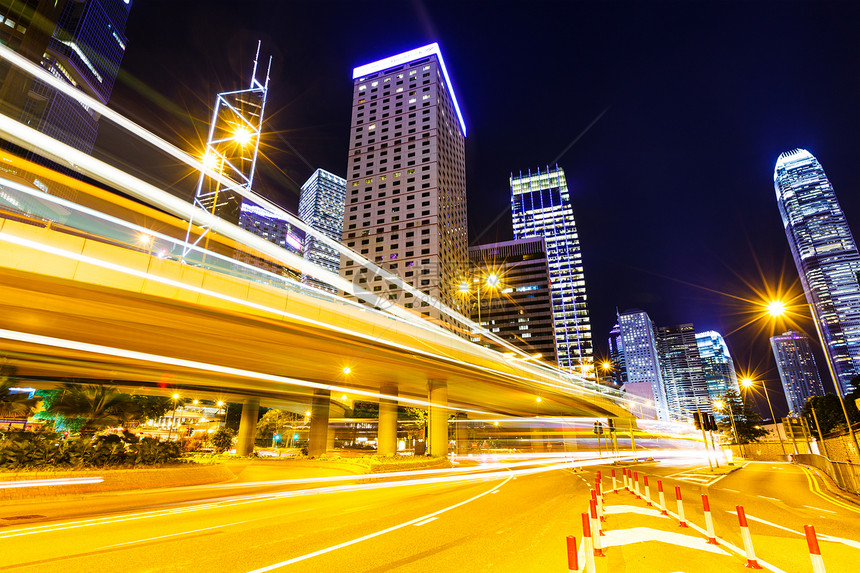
x=501 y=520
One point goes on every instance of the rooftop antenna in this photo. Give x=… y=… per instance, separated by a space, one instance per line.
x=231 y=151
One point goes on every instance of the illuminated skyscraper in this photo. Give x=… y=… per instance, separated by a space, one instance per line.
x=683 y=375
x=406 y=179
x=644 y=379
x=826 y=257
x=717 y=364
x=321 y=206
x=797 y=369
x=616 y=355
x=541 y=208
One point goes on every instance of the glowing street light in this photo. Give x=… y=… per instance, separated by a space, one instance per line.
x=492 y=281
x=172 y=417
x=242 y=135
x=347 y=369
x=776 y=308
x=747 y=383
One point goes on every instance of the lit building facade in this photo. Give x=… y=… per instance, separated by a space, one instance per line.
x=520 y=309
x=797 y=369
x=406 y=180
x=683 y=375
x=644 y=378
x=541 y=207
x=826 y=257
x=717 y=364
x=616 y=355
x=321 y=206
x=271 y=227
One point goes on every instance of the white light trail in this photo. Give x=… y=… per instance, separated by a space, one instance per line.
x=49 y=482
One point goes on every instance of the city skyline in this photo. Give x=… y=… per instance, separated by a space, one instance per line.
x=644 y=128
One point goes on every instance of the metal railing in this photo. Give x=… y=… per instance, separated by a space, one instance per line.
x=845 y=474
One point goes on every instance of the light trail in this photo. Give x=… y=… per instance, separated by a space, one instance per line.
x=49 y=482
x=176 y=534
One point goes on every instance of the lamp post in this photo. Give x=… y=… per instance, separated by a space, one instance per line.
x=491 y=280
x=747 y=383
x=719 y=406
x=172 y=417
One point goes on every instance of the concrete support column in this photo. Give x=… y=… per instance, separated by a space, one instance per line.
x=318 y=438
x=386 y=437
x=438 y=395
x=248 y=426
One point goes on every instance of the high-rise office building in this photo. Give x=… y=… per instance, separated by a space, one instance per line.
x=518 y=307
x=616 y=355
x=541 y=208
x=644 y=378
x=826 y=257
x=321 y=206
x=683 y=375
x=797 y=369
x=274 y=229
x=406 y=179
x=717 y=364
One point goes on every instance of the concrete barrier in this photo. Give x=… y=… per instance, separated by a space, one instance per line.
x=846 y=475
x=111 y=480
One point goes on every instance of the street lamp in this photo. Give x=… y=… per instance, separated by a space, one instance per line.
x=748 y=383
x=492 y=281
x=242 y=135
x=172 y=417
x=719 y=405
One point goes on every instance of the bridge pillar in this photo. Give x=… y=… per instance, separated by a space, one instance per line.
x=318 y=439
x=386 y=438
x=438 y=394
x=248 y=426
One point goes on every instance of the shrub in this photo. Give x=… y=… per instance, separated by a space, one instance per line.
x=221 y=439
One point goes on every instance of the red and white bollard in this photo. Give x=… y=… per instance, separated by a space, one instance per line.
x=614 y=482
x=814 y=551
x=596 y=532
x=709 y=522
x=681 y=519
x=752 y=562
x=600 y=507
x=572 y=555
x=647 y=492
x=624 y=473
x=596 y=502
x=590 y=566
x=636 y=485
x=662 y=498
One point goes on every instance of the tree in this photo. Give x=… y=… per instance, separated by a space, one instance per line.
x=99 y=406
x=829 y=412
x=153 y=407
x=747 y=420
x=14 y=404
x=275 y=422
x=222 y=439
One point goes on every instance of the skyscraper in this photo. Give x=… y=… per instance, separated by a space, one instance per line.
x=683 y=375
x=826 y=257
x=717 y=364
x=406 y=179
x=616 y=355
x=797 y=369
x=644 y=379
x=519 y=310
x=274 y=229
x=541 y=208
x=321 y=206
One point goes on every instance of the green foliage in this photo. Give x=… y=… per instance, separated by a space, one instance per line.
x=14 y=404
x=34 y=450
x=152 y=407
x=221 y=439
x=99 y=406
x=275 y=422
x=829 y=412
x=362 y=409
x=746 y=419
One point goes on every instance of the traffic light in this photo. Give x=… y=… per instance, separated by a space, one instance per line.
x=595 y=428
x=277 y=437
x=611 y=425
x=712 y=423
x=696 y=421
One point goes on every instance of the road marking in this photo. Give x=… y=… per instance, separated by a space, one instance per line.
x=848 y=542
x=614 y=509
x=814 y=488
x=616 y=537
x=173 y=534
x=821 y=536
x=375 y=534
x=731 y=490
x=426 y=521
x=819 y=509
x=760 y=520
x=771 y=498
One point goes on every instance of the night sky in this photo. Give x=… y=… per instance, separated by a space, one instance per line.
x=666 y=117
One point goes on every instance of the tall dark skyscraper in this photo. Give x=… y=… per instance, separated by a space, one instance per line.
x=519 y=308
x=541 y=207
x=683 y=375
x=641 y=359
x=826 y=257
x=616 y=355
x=797 y=369
x=406 y=179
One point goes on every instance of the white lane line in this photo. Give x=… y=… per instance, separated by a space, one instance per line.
x=173 y=534
x=426 y=521
x=819 y=509
x=644 y=534
x=731 y=490
x=375 y=534
x=770 y=498
x=760 y=520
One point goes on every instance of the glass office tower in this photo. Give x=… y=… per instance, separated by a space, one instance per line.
x=321 y=206
x=683 y=375
x=797 y=369
x=717 y=364
x=826 y=257
x=644 y=378
x=541 y=208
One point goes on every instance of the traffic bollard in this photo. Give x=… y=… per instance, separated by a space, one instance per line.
x=636 y=485
x=662 y=498
x=600 y=507
x=647 y=492
x=596 y=531
x=709 y=522
x=624 y=473
x=614 y=482
x=752 y=562
x=572 y=555
x=589 y=544
x=683 y=522
x=814 y=551
x=596 y=502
